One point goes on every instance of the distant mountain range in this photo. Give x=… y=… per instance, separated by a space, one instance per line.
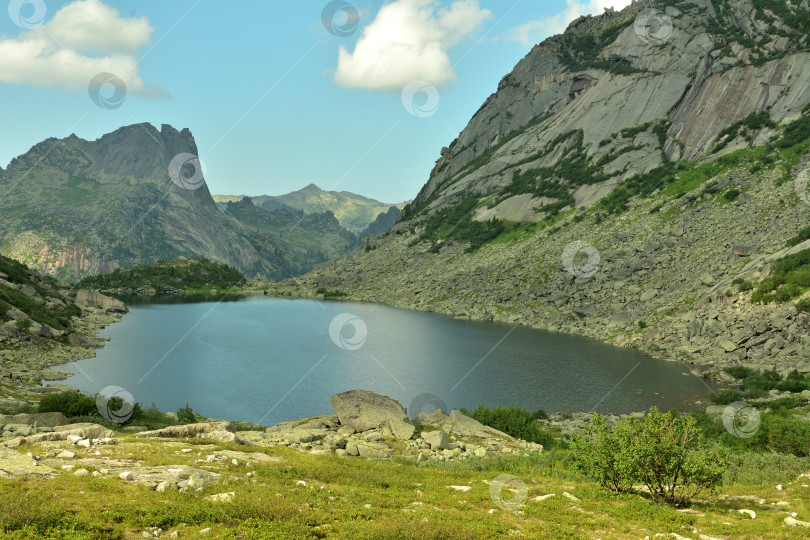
x=353 y=212
x=73 y=208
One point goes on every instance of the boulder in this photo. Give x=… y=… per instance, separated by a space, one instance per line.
x=96 y=300
x=436 y=439
x=14 y=464
x=61 y=433
x=50 y=419
x=458 y=423
x=191 y=431
x=363 y=410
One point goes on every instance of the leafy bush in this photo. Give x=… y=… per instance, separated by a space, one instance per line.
x=784 y=433
x=23 y=324
x=186 y=415
x=514 y=421
x=794 y=382
x=725 y=397
x=68 y=403
x=731 y=195
x=665 y=452
x=803 y=305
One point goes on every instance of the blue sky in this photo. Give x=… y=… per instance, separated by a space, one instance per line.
x=260 y=83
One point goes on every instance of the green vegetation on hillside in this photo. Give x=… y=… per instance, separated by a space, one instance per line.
x=53 y=309
x=166 y=276
x=514 y=421
x=790 y=278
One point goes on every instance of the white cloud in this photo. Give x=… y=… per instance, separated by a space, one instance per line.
x=407 y=41
x=82 y=39
x=533 y=32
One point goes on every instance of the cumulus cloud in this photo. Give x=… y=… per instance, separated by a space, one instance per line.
x=82 y=39
x=533 y=32
x=407 y=41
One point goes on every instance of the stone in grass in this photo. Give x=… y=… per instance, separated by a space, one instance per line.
x=66 y=454
x=436 y=439
x=460 y=488
x=127 y=476
x=749 y=513
x=793 y=522
x=206 y=532
x=221 y=497
x=570 y=497
x=81 y=472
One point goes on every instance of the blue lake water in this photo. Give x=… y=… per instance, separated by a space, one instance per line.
x=270 y=360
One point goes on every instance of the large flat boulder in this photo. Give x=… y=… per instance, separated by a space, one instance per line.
x=219 y=431
x=458 y=423
x=363 y=410
x=14 y=464
x=61 y=433
x=50 y=419
x=96 y=300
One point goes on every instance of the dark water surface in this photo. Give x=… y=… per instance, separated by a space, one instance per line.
x=270 y=360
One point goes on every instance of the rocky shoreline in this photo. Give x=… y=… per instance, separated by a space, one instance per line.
x=27 y=358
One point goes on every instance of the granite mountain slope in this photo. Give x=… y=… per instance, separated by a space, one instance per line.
x=664 y=164
x=73 y=208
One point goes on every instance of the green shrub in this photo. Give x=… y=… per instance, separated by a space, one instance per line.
x=784 y=433
x=739 y=372
x=514 y=421
x=186 y=415
x=803 y=305
x=731 y=195
x=68 y=403
x=23 y=324
x=794 y=382
x=666 y=453
x=725 y=397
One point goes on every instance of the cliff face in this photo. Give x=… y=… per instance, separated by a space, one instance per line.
x=619 y=181
x=73 y=208
x=618 y=94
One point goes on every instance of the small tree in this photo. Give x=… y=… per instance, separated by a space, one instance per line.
x=664 y=452
x=186 y=415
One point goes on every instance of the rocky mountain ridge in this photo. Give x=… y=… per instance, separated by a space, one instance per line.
x=73 y=208
x=354 y=212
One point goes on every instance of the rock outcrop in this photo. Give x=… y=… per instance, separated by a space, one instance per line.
x=362 y=410
x=96 y=300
